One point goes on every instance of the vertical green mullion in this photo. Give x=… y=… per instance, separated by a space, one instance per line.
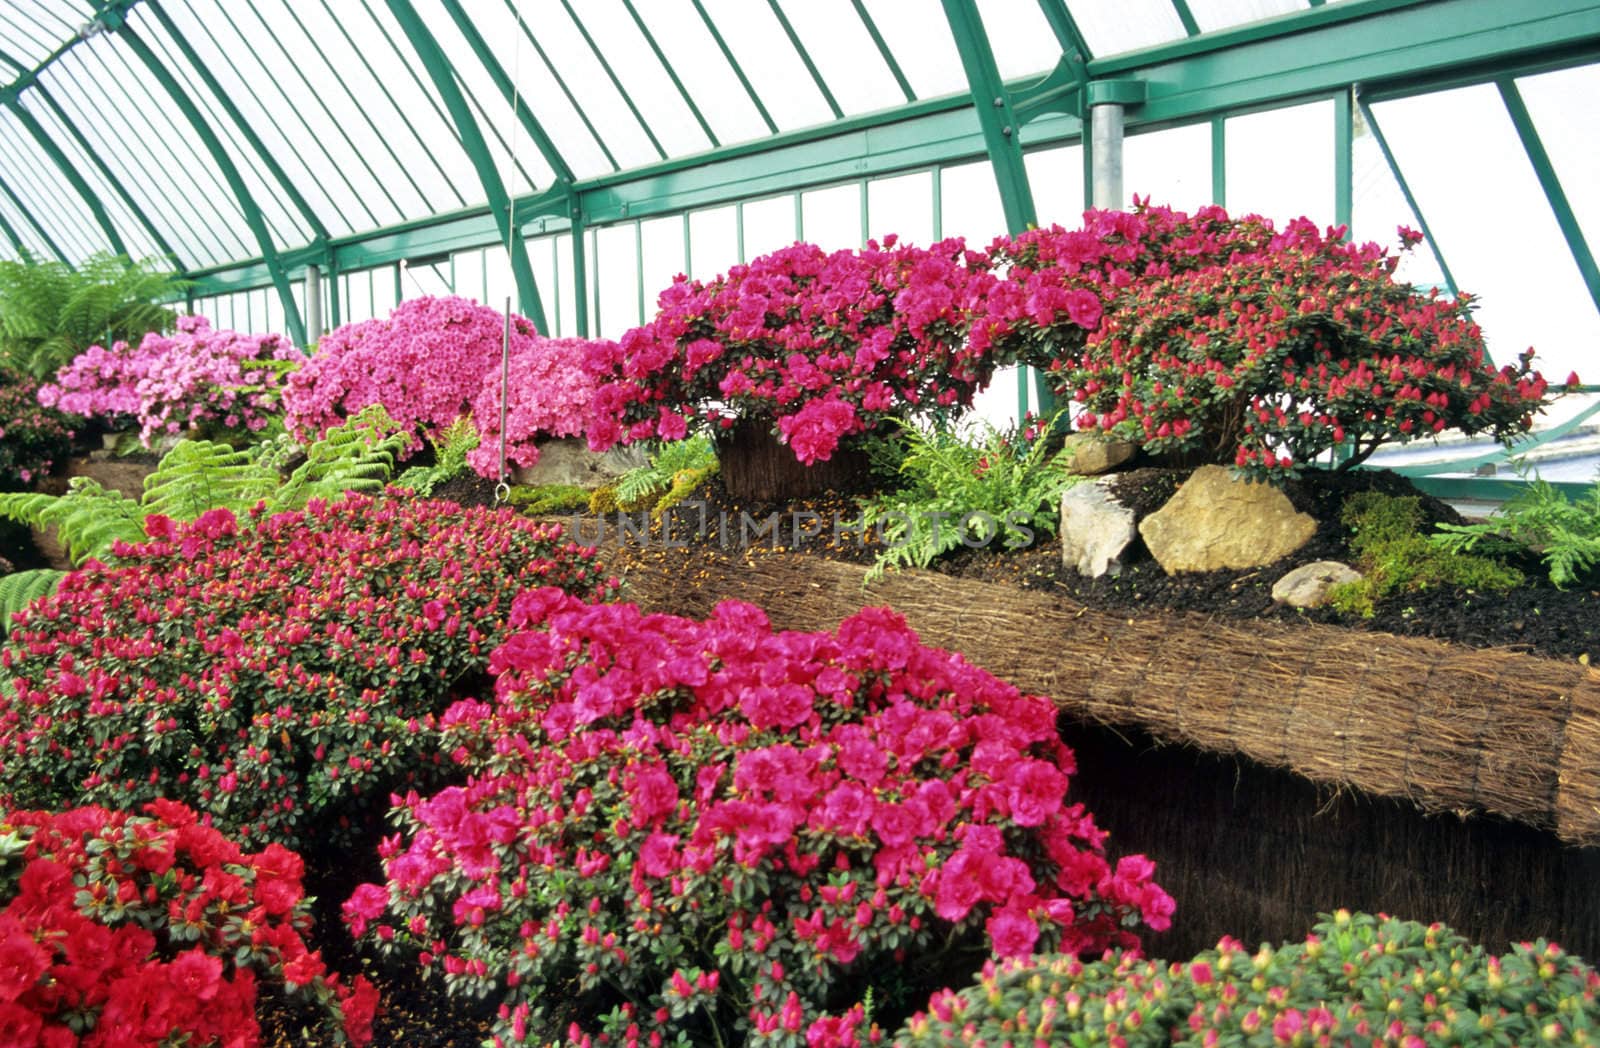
x=305 y=125
x=866 y=214
x=115 y=183
x=799 y=217
x=671 y=73
x=805 y=58
x=1087 y=141
x=450 y=94
x=335 y=301
x=733 y=63
x=738 y=231
x=594 y=260
x=883 y=50
x=366 y=115
x=53 y=151
x=937 y=174
x=1343 y=160
x=688 y=256
x=580 y=275
x=616 y=82
x=1219 y=161
x=252 y=214
x=245 y=130
x=399 y=283
x=1405 y=191
x=1550 y=182
x=497 y=74
x=638 y=264
x=555 y=74
x=555 y=281
x=1190 y=26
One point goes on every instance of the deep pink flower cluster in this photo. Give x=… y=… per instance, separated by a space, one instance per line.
x=170 y=383
x=548 y=395
x=821 y=345
x=136 y=931
x=714 y=831
x=434 y=360
x=267 y=671
x=1227 y=340
x=33 y=438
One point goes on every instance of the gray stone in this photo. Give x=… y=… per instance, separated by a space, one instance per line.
x=1308 y=585
x=1091 y=454
x=1217 y=521
x=568 y=460
x=1095 y=529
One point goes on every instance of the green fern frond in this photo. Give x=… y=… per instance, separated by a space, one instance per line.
x=451 y=446
x=643 y=485
x=358 y=456
x=21 y=588
x=198 y=475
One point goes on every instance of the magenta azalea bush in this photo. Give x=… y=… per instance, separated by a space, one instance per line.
x=194 y=378
x=820 y=346
x=1227 y=340
x=548 y=395
x=33 y=438
x=139 y=931
x=1355 y=980
x=273 y=674
x=707 y=832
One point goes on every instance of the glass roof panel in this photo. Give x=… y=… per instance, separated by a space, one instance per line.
x=1562 y=106
x=1490 y=226
x=710 y=79
x=763 y=51
x=1023 y=42
x=32 y=30
x=924 y=48
x=1220 y=14
x=1110 y=29
x=34 y=178
x=1378 y=208
x=842 y=49
x=24 y=229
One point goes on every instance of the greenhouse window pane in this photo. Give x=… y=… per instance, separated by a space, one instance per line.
x=713 y=242
x=902 y=205
x=543 y=264
x=1172 y=166
x=844 y=53
x=469 y=276
x=831 y=218
x=699 y=63
x=1280 y=163
x=1111 y=29
x=1379 y=208
x=617 y=262
x=567 y=301
x=970 y=202
x=1495 y=229
x=358 y=296
x=763 y=50
x=1220 y=14
x=1562 y=106
x=662 y=257
x=768 y=225
x=1023 y=42
x=1056 y=178
x=923 y=46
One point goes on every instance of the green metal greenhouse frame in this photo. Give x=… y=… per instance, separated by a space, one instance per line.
x=81 y=178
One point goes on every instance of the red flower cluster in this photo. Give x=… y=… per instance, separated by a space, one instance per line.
x=719 y=832
x=823 y=345
x=266 y=670
x=1227 y=340
x=124 y=931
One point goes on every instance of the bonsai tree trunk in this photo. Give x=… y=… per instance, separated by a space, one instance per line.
x=757 y=467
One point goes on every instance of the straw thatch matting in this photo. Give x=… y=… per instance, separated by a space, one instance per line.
x=1445 y=727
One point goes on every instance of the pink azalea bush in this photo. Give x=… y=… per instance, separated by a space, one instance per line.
x=193 y=378
x=820 y=346
x=1355 y=980
x=1212 y=339
x=138 y=931
x=275 y=674
x=33 y=438
x=548 y=396
x=707 y=832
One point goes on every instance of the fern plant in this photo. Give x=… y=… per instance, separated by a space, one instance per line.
x=645 y=486
x=50 y=312
x=196 y=476
x=451 y=447
x=1003 y=488
x=1564 y=532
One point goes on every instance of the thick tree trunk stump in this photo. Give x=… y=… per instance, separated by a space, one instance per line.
x=756 y=466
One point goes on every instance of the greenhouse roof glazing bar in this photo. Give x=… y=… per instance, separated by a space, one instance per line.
x=733 y=63
x=555 y=73
x=627 y=99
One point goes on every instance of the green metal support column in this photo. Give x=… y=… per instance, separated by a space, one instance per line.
x=1550 y=182
x=1001 y=132
x=1343 y=159
x=580 y=269
x=22 y=209
x=444 y=81
x=53 y=151
x=225 y=166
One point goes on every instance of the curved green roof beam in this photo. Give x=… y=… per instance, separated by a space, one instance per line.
x=250 y=136
x=53 y=151
x=11 y=234
x=472 y=141
x=219 y=156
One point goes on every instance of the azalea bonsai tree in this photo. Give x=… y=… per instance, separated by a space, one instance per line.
x=1229 y=341
x=810 y=346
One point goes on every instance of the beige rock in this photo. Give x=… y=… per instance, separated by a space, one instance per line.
x=568 y=460
x=1217 y=521
x=1092 y=454
x=1308 y=586
x=1095 y=529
